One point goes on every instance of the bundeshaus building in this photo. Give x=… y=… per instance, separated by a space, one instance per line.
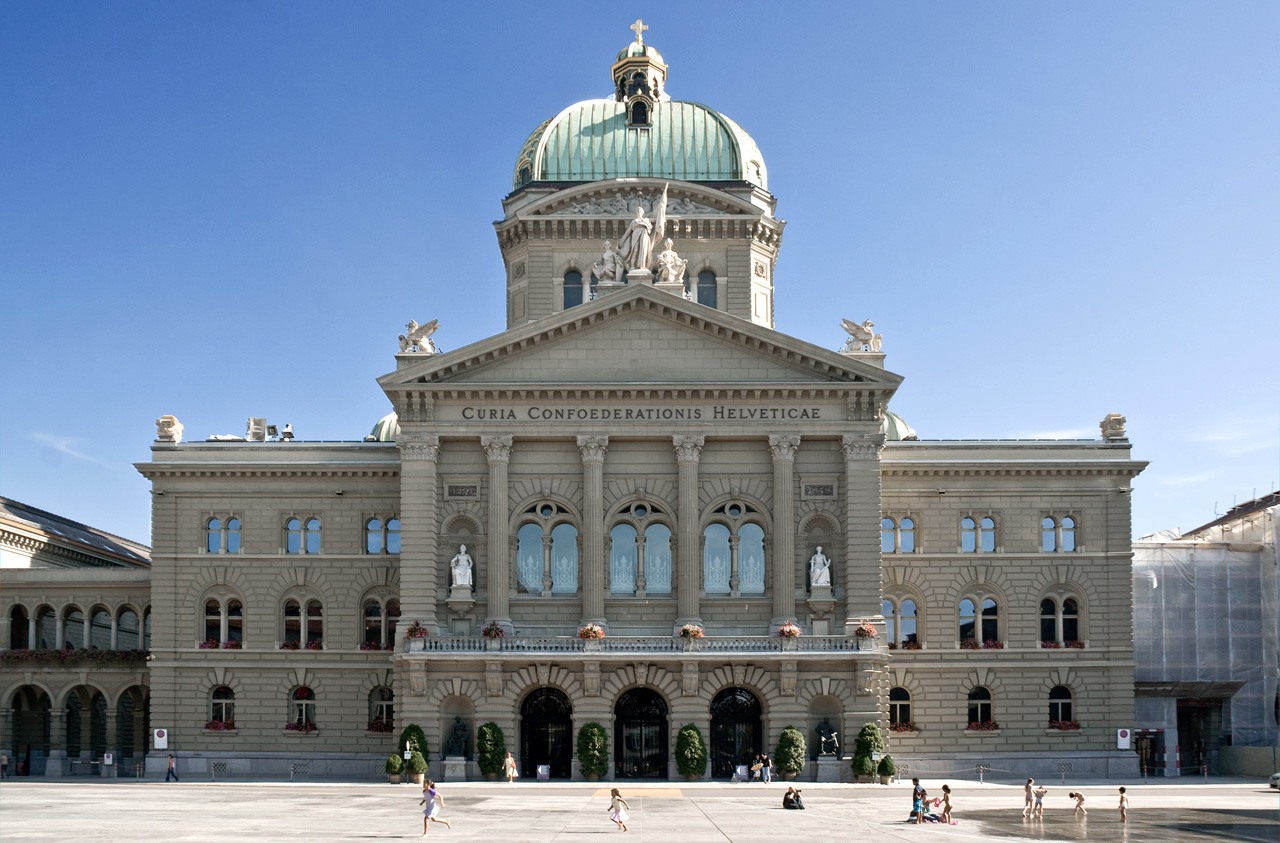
x=638 y=457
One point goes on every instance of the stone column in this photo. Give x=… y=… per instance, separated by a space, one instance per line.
x=32 y=643
x=419 y=530
x=110 y=735
x=593 y=449
x=863 y=575
x=497 y=450
x=783 y=449
x=57 y=743
x=688 y=545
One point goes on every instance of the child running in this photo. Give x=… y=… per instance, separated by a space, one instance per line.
x=1079 y=797
x=433 y=801
x=618 y=809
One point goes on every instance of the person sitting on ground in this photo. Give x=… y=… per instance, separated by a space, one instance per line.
x=791 y=800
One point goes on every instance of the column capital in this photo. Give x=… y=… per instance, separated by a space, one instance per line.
x=862 y=446
x=593 y=446
x=419 y=446
x=497 y=447
x=784 y=446
x=688 y=446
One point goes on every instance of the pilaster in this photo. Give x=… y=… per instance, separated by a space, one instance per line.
x=593 y=448
x=420 y=528
x=783 y=449
x=862 y=569
x=497 y=450
x=688 y=564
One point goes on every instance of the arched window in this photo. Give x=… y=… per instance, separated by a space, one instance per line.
x=222 y=535
x=380 y=616
x=900 y=708
x=302 y=710
x=733 y=555
x=639 y=113
x=1060 y=623
x=46 y=629
x=1058 y=534
x=898 y=535
x=303 y=624
x=223 y=623
x=980 y=623
x=623 y=554
x=1060 y=713
x=100 y=628
x=213 y=621
x=128 y=635
x=980 y=711
x=707 y=288
x=222 y=708
x=73 y=628
x=547 y=551
x=19 y=629
x=900 y=623
x=573 y=292
x=977 y=535
x=302 y=535
x=640 y=552
x=382 y=536
x=657 y=559
x=382 y=709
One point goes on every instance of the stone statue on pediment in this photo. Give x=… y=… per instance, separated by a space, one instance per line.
x=608 y=267
x=168 y=429
x=671 y=267
x=418 y=337
x=861 y=337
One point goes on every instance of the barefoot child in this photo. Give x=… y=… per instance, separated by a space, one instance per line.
x=1079 y=797
x=1124 y=806
x=1039 y=793
x=433 y=801
x=946 y=804
x=618 y=809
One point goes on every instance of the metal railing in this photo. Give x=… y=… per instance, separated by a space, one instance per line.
x=645 y=644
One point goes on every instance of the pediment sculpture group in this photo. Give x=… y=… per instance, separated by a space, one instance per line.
x=635 y=250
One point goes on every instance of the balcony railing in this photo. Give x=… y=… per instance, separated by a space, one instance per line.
x=643 y=644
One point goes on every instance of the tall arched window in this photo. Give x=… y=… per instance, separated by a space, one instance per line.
x=900 y=708
x=623 y=556
x=222 y=708
x=573 y=293
x=73 y=627
x=733 y=555
x=640 y=552
x=380 y=617
x=19 y=628
x=547 y=551
x=707 y=288
x=1060 y=622
x=302 y=710
x=657 y=559
x=981 y=715
x=303 y=624
x=979 y=623
x=382 y=709
x=900 y=623
x=223 y=623
x=564 y=559
x=128 y=633
x=100 y=628
x=1060 y=710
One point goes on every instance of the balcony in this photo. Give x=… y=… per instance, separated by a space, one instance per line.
x=646 y=645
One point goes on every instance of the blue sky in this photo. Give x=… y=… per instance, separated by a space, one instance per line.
x=1051 y=210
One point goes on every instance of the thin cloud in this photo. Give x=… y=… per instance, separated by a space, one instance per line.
x=68 y=446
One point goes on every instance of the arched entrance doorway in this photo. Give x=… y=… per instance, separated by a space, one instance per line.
x=546 y=733
x=32 y=725
x=640 y=735
x=736 y=732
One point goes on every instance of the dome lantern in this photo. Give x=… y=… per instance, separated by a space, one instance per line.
x=639 y=78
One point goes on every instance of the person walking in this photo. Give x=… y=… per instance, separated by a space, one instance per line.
x=433 y=801
x=172 y=772
x=1124 y=806
x=1027 y=797
x=509 y=769
x=618 y=809
x=4 y=765
x=766 y=772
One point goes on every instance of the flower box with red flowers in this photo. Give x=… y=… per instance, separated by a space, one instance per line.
x=416 y=630
x=790 y=629
x=865 y=630
x=382 y=726
x=232 y=645
x=290 y=645
x=692 y=630
x=984 y=726
x=493 y=630
x=315 y=645
x=220 y=726
x=305 y=727
x=209 y=644
x=904 y=727
x=1064 y=725
x=591 y=632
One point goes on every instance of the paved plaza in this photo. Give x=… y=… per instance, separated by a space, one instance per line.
x=127 y=810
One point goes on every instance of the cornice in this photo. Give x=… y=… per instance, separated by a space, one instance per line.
x=997 y=468
x=275 y=470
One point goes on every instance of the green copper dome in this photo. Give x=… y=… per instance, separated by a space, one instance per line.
x=591 y=141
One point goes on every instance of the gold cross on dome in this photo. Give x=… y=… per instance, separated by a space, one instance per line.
x=639 y=29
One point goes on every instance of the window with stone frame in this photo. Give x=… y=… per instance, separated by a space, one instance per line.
x=547 y=551
x=901 y=617
x=733 y=551
x=1060 y=622
x=382 y=535
x=302 y=535
x=382 y=709
x=302 y=709
x=900 y=707
x=978 y=535
x=222 y=534
x=222 y=706
x=223 y=622
x=640 y=551
x=1061 y=714
x=574 y=292
x=303 y=623
x=898 y=534
x=980 y=709
x=380 y=614
x=1058 y=534
x=979 y=622
x=706 y=292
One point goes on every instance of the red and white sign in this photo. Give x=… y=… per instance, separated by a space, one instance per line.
x=161 y=738
x=1123 y=738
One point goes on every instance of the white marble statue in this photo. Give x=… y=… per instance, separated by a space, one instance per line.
x=168 y=429
x=635 y=248
x=418 y=337
x=861 y=337
x=608 y=267
x=461 y=567
x=671 y=267
x=819 y=569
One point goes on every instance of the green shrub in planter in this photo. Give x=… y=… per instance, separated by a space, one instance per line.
x=491 y=748
x=394 y=764
x=888 y=767
x=791 y=751
x=413 y=738
x=593 y=750
x=417 y=763
x=691 y=752
x=869 y=741
x=864 y=766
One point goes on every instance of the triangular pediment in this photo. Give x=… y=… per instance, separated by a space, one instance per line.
x=637 y=336
x=620 y=197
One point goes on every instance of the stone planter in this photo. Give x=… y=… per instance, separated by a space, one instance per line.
x=790 y=643
x=416 y=778
x=493 y=643
x=592 y=645
x=417 y=645
x=393 y=778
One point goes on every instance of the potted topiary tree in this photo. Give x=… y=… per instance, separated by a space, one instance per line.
x=412 y=737
x=865 y=746
x=691 y=752
x=394 y=765
x=491 y=749
x=887 y=768
x=790 y=753
x=417 y=766
x=593 y=751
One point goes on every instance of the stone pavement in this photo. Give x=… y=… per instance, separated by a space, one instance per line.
x=124 y=810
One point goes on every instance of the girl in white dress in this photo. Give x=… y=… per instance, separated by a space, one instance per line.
x=618 y=809
x=434 y=801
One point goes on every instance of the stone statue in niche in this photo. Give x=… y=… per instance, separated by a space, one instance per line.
x=828 y=738
x=819 y=569
x=418 y=337
x=457 y=741
x=461 y=567
x=671 y=267
x=609 y=265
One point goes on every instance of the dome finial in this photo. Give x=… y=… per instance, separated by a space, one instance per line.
x=639 y=29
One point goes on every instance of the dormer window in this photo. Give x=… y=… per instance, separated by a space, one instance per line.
x=638 y=114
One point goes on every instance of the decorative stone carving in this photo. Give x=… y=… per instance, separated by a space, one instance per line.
x=688 y=447
x=739 y=674
x=608 y=267
x=497 y=448
x=642 y=673
x=460 y=568
x=866 y=681
x=591 y=679
x=861 y=337
x=671 y=267
x=593 y=448
x=624 y=202
x=493 y=679
x=689 y=679
x=456 y=743
x=828 y=738
x=862 y=445
x=783 y=447
x=543 y=669
x=819 y=569
x=635 y=247
x=419 y=447
x=168 y=429
x=418 y=338
x=1112 y=425
x=418 y=679
x=788 y=678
